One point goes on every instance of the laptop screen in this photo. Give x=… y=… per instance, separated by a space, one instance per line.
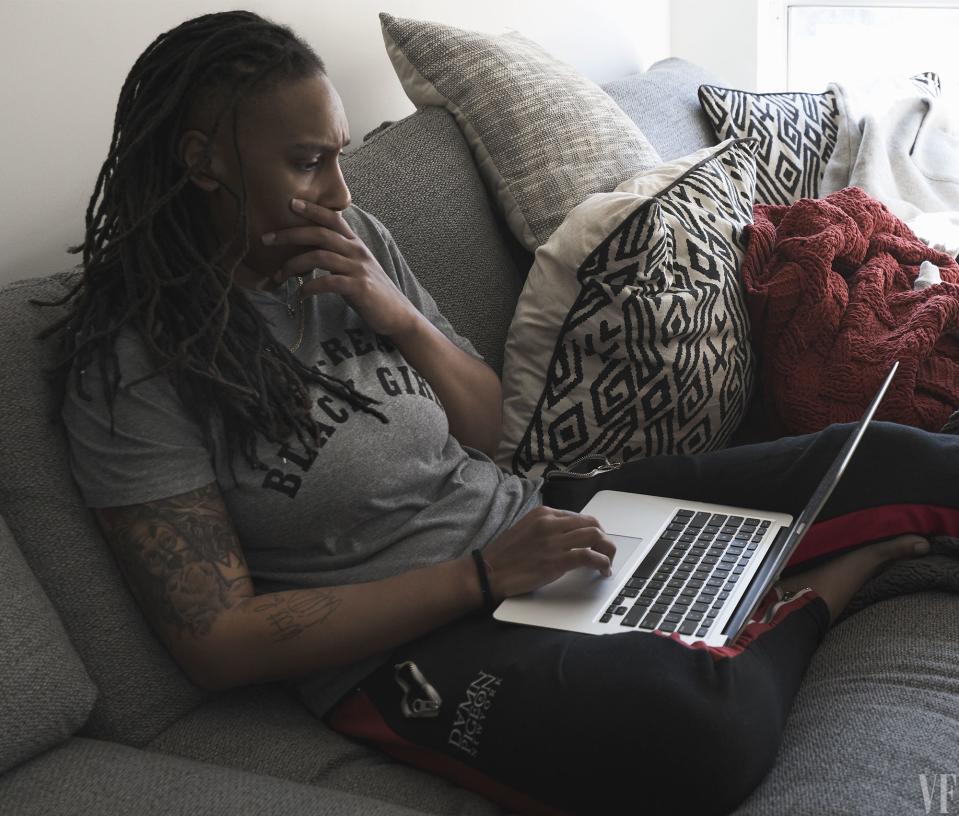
x=780 y=553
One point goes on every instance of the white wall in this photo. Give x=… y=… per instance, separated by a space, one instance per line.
x=63 y=63
x=722 y=35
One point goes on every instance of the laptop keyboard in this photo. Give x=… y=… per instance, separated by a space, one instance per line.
x=705 y=555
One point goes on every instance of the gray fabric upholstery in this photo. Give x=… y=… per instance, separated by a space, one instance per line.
x=876 y=708
x=45 y=692
x=663 y=103
x=142 y=690
x=84 y=776
x=418 y=177
x=265 y=730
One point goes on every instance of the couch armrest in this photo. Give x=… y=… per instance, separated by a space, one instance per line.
x=86 y=776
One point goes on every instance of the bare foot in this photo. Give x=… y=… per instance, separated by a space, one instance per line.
x=838 y=580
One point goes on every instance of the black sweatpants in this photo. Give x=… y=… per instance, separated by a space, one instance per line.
x=547 y=721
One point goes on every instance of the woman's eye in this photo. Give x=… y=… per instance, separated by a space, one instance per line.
x=308 y=166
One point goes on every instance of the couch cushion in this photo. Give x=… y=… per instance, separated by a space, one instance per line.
x=878 y=707
x=45 y=692
x=142 y=690
x=664 y=104
x=631 y=336
x=418 y=177
x=266 y=730
x=544 y=136
x=85 y=776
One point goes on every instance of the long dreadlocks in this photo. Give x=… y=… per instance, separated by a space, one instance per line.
x=147 y=263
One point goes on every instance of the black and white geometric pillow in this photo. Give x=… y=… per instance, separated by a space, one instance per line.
x=631 y=336
x=929 y=82
x=797 y=134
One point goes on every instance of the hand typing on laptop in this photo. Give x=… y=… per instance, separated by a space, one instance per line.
x=544 y=545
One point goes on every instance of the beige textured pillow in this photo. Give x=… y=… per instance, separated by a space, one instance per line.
x=543 y=136
x=631 y=335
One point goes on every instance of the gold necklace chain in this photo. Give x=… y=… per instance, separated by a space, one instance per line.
x=296 y=311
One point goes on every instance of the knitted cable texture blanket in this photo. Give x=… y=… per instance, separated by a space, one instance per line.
x=828 y=285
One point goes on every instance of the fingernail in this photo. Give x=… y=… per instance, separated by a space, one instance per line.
x=298 y=205
x=608 y=573
x=922 y=547
x=269 y=238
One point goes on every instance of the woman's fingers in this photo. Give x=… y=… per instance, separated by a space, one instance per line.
x=589 y=546
x=329 y=233
x=323 y=215
x=313 y=235
x=308 y=261
x=571 y=531
x=340 y=284
x=567 y=519
x=579 y=530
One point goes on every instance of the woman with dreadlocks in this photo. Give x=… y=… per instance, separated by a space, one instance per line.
x=289 y=448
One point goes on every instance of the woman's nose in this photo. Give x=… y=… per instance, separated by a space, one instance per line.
x=335 y=194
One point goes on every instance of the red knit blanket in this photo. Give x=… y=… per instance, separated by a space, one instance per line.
x=828 y=285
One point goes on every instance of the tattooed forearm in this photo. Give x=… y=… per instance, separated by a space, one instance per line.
x=291 y=613
x=181 y=558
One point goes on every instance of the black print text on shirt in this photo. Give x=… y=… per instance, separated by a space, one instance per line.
x=394 y=381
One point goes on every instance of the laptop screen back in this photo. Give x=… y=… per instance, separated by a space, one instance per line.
x=782 y=550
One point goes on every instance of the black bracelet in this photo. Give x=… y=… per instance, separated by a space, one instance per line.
x=488 y=602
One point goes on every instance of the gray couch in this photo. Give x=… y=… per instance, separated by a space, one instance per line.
x=96 y=718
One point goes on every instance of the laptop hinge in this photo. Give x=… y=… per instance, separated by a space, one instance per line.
x=754 y=594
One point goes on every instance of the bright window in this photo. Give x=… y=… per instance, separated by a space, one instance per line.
x=855 y=42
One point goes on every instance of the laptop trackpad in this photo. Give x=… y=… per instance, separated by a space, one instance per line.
x=588 y=582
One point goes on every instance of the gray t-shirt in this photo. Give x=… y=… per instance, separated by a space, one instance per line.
x=374 y=501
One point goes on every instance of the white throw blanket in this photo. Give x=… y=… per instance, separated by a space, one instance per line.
x=902 y=148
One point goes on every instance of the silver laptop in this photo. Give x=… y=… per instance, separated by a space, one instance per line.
x=681 y=566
